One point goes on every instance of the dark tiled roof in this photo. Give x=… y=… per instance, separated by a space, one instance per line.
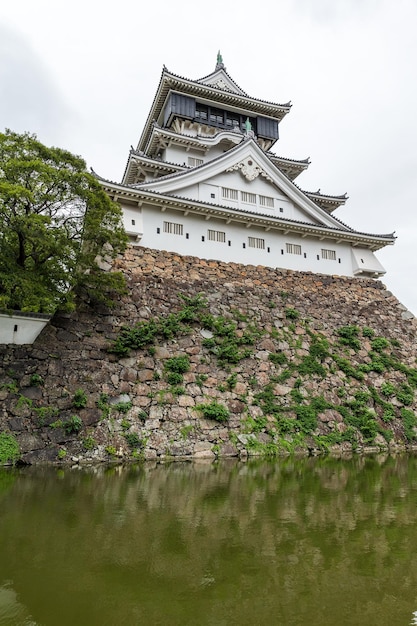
x=244 y=94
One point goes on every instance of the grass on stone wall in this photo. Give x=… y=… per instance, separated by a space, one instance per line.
x=9 y=448
x=366 y=412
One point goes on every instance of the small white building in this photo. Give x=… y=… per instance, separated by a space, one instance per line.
x=204 y=182
x=21 y=328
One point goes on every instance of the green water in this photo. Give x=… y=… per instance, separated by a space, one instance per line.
x=295 y=541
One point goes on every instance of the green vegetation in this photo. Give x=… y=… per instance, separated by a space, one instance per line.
x=277 y=358
x=13 y=387
x=231 y=381
x=133 y=440
x=45 y=414
x=291 y=314
x=57 y=424
x=9 y=448
x=227 y=344
x=122 y=407
x=349 y=336
x=200 y=379
x=36 y=380
x=175 y=368
x=388 y=389
x=214 y=411
x=410 y=424
x=55 y=222
x=79 y=400
x=89 y=443
x=186 y=430
x=145 y=333
x=73 y=424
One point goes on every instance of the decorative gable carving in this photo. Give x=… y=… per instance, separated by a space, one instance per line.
x=249 y=169
x=220 y=84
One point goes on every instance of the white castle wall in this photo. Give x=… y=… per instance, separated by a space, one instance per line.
x=196 y=227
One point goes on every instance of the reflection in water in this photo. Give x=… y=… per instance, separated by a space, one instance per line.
x=294 y=541
x=12 y=612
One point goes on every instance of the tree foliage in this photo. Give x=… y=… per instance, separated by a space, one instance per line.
x=56 y=226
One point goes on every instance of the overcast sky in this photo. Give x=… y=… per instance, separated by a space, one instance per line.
x=82 y=76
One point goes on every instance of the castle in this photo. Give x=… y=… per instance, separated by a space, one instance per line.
x=204 y=182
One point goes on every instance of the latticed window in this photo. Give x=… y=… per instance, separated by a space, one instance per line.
x=266 y=201
x=256 y=242
x=249 y=198
x=328 y=254
x=293 y=248
x=194 y=162
x=229 y=194
x=173 y=229
x=216 y=235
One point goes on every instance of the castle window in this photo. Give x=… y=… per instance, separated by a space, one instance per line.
x=249 y=198
x=216 y=235
x=266 y=201
x=233 y=120
x=194 y=162
x=328 y=254
x=222 y=118
x=256 y=242
x=216 y=117
x=293 y=248
x=201 y=112
x=173 y=229
x=229 y=194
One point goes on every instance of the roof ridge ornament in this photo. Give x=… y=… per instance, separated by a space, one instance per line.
x=219 y=64
x=249 y=134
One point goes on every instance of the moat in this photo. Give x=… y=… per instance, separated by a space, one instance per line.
x=290 y=541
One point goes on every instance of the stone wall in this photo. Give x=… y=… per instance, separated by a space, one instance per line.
x=67 y=398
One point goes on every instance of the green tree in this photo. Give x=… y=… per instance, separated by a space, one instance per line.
x=56 y=227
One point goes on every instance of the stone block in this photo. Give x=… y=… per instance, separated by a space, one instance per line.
x=228 y=449
x=204 y=454
x=145 y=375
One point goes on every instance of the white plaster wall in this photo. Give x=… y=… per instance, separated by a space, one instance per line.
x=19 y=329
x=196 y=227
x=132 y=214
x=178 y=154
x=235 y=180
